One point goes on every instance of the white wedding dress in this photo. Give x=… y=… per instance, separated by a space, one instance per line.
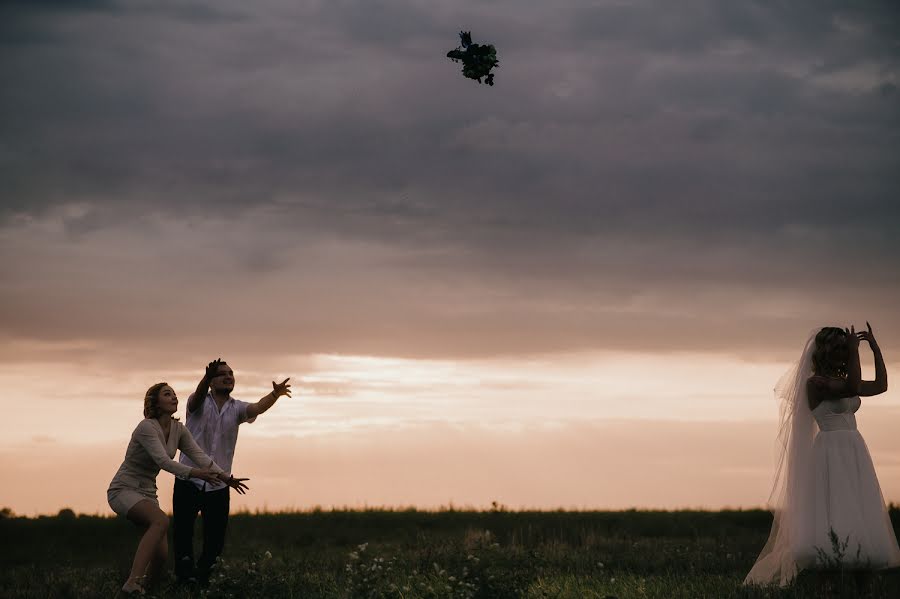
x=824 y=482
x=847 y=498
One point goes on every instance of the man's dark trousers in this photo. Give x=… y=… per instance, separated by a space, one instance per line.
x=187 y=501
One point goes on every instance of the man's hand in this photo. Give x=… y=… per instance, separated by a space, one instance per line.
x=212 y=369
x=282 y=388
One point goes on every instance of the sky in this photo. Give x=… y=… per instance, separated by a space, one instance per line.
x=576 y=288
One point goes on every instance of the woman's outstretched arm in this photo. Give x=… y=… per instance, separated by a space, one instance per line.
x=880 y=384
x=189 y=447
x=147 y=435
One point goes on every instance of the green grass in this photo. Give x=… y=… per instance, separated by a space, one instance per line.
x=417 y=555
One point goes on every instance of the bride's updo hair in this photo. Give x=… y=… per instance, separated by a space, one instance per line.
x=830 y=355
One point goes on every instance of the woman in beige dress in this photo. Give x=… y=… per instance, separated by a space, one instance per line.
x=132 y=492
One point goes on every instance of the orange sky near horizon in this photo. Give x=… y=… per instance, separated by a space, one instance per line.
x=584 y=431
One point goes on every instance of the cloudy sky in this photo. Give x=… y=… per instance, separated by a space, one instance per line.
x=574 y=288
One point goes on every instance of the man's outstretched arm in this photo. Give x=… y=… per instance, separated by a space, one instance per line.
x=267 y=401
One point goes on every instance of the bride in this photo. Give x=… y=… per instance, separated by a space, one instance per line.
x=826 y=500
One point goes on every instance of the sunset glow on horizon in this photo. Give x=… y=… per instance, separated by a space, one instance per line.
x=366 y=431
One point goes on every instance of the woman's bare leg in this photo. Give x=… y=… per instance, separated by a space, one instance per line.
x=147 y=514
x=158 y=560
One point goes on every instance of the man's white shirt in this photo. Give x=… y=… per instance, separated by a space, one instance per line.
x=216 y=432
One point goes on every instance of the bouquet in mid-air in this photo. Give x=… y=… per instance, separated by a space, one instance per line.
x=477 y=59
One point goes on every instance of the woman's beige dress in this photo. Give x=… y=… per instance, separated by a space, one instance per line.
x=147 y=453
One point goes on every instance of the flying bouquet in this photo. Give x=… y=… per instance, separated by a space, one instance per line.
x=477 y=59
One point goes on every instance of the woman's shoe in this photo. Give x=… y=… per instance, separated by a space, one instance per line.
x=131 y=590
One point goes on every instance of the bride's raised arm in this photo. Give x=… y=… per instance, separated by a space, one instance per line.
x=880 y=384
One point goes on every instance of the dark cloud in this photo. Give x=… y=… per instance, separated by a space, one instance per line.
x=658 y=161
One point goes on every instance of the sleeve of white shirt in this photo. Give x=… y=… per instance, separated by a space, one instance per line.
x=189 y=447
x=242 y=412
x=147 y=435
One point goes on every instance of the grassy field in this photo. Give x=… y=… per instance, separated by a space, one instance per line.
x=447 y=554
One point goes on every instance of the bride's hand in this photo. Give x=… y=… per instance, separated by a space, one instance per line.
x=867 y=336
x=852 y=338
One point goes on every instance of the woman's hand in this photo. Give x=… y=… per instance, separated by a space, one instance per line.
x=235 y=483
x=867 y=336
x=205 y=474
x=852 y=338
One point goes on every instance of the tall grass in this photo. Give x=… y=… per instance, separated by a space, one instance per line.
x=417 y=554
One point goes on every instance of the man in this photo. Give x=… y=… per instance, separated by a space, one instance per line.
x=213 y=418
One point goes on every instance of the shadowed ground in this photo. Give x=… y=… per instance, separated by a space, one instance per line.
x=413 y=554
